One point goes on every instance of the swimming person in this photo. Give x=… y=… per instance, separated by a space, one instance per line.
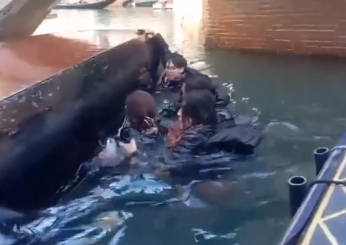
x=198 y=128
x=176 y=71
x=141 y=125
x=198 y=131
x=201 y=82
x=176 y=68
x=141 y=112
x=202 y=133
x=198 y=135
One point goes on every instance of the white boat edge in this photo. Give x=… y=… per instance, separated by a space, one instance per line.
x=159 y=6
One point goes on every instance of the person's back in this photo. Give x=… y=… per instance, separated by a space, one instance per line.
x=201 y=82
x=197 y=121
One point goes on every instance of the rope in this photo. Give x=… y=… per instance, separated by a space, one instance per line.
x=328 y=182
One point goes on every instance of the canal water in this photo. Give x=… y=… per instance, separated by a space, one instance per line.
x=300 y=100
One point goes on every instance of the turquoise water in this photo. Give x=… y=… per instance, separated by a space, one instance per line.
x=301 y=102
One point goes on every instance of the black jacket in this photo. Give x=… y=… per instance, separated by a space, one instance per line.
x=222 y=103
x=164 y=84
x=206 y=146
x=229 y=135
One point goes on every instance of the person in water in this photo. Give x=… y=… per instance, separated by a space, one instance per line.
x=198 y=134
x=141 y=113
x=141 y=123
x=175 y=73
x=201 y=82
x=175 y=66
x=199 y=130
x=176 y=69
x=221 y=99
x=197 y=120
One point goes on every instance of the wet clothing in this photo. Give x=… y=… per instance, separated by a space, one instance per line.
x=171 y=110
x=147 y=136
x=165 y=84
x=145 y=125
x=161 y=83
x=222 y=101
x=202 y=146
x=147 y=131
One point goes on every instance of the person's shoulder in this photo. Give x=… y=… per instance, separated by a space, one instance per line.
x=223 y=97
x=195 y=136
x=192 y=72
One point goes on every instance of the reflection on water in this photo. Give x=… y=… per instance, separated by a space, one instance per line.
x=300 y=100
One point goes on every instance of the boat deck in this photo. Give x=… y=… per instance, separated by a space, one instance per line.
x=25 y=62
x=327 y=225
x=322 y=216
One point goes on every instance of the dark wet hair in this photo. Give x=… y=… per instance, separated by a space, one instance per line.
x=140 y=105
x=177 y=60
x=199 y=106
x=200 y=82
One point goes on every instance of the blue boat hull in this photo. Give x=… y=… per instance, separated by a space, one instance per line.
x=320 y=218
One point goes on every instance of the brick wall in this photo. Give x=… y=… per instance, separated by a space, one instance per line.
x=298 y=26
x=295 y=26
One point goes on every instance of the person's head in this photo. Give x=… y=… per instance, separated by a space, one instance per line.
x=200 y=82
x=141 y=110
x=175 y=67
x=198 y=108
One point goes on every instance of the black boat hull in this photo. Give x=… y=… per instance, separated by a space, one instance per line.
x=60 y=130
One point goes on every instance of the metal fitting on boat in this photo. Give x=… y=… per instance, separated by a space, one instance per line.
x=297 y=189
x=321 y=155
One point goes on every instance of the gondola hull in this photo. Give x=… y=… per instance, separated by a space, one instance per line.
x=48 y=129
x=96 y=5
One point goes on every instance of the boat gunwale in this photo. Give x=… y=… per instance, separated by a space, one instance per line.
x=7 y=127
x=66 y=69
x=300 y=224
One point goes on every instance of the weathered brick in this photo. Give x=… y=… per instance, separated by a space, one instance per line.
x=302 y=27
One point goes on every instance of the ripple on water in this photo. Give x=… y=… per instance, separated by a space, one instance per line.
x=253 y=208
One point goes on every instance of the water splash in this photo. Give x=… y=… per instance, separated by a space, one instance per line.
x=201 y=235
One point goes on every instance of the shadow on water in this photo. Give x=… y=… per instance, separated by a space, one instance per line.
x=299 y=99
